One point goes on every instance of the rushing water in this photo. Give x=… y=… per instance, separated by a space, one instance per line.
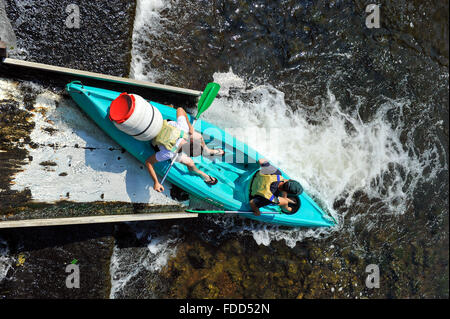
x=358 y=115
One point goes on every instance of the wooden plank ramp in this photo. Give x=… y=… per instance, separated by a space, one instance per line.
x=98 y=76
x=94 y=219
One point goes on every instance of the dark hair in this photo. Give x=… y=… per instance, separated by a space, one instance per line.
x=292 y=187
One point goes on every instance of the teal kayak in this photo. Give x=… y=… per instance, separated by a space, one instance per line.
x=234 y=171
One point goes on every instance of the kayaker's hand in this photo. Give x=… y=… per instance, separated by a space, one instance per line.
x=158 y=187
x=290 y=201
x=191 y=131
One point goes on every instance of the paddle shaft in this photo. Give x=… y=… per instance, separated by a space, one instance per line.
x=225 y=212
x=174 y=158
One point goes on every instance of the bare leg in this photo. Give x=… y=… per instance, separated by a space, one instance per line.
x=191 y=166
x=198 y=137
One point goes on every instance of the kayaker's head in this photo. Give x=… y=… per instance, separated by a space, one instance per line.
x=291 y=187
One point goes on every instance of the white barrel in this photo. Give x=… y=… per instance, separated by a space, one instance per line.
x=133 y=115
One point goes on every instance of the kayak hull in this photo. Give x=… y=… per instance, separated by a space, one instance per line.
x=234 y=171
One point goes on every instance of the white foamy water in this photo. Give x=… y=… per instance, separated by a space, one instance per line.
x=86 y=165
x=6 y=32
x=328 y=158
x=147 y=23
x=6 y=261
x=129 y=264
x=333 y=158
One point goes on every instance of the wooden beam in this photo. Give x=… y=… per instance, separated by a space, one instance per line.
x=99 y=76
x=94 y=219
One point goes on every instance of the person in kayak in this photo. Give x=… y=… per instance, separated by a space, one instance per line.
x=270 y=188
x=174 y=136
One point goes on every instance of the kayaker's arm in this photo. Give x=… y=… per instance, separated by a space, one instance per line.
x=149 y=164
x=261 y=161
x=255 y=208
x=284 y=203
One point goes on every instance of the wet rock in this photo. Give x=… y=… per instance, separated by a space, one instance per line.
x=195 y=259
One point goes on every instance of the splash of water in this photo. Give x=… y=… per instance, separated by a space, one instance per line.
x=128 y=264
x=6 y=31
x=147 y=22
x=7 y=34
x=333 y=153
x=6 y=261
